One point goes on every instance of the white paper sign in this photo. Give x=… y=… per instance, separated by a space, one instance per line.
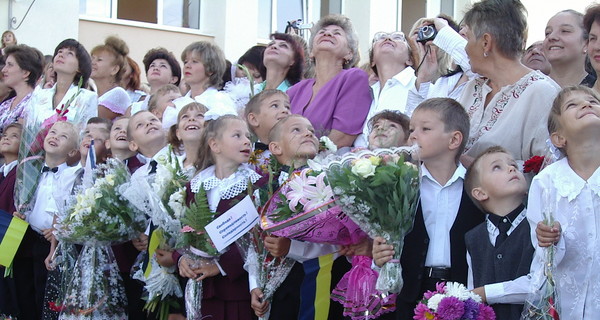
x=233 y=224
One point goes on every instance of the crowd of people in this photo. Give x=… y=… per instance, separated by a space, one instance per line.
x=475 y=100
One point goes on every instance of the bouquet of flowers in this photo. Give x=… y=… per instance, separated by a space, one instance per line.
x=165 y=206
x=99 y=217
x=543 y=303
x=198 y=247
x=379 y=190
x=304 y=209
x=271 y=271
x=452 y=301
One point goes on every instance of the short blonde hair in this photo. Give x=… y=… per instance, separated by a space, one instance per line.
x=212 y=57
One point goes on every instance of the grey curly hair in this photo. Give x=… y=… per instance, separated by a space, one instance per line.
x=351 y=36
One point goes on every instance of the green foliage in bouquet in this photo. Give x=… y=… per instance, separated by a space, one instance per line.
x=384 y=189
x=194 y=220
x=100 y=213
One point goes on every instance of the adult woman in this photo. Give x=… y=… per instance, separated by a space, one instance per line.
x=391 y=61
x=161 y=68
x=565 y=49
x=108 y=67
x=22 y=70
x=591 y=22
x=73 y=67
x=8 y=39
x=508 y=104
x=284 y=61
x=131 y=81
x=442 y=65
x=337 y=100
x=253 y=61
x=203 y=67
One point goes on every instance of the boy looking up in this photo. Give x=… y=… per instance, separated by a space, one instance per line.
x=498 y=267
x=57 y=178
x=434 y=250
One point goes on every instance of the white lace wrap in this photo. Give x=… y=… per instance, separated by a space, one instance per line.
x=226 y=188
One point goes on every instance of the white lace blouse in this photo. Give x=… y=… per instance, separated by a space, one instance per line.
x=576 y=205
x=227 y=188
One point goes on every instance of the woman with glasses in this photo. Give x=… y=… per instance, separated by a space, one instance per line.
x=337 y=99
x=441 y=64
x=391 y=60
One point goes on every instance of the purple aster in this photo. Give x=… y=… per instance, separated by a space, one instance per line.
x=471 y=309
x=422 y=312
x=486 y=313
x=440 y=287
x=450 y=308
x=428 y=294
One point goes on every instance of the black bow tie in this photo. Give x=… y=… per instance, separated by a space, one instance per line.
x=46 y=169
x=260 y=146
x=153 y=165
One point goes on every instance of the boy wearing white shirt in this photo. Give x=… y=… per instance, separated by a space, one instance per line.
x=499 y=268
x=434 y=250
x=57 y=178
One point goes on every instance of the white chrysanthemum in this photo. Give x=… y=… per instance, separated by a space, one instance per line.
x=458 y=290
x=330 y=145
x=434 y=301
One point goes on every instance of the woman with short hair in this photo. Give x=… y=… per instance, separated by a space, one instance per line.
x=21 y=72
x=203 y=68
x=337 y=99
x=508 y=103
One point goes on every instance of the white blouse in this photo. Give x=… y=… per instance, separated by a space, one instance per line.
x=116 y=100
x=515 y=118
x=575 y=204
x=84 y=107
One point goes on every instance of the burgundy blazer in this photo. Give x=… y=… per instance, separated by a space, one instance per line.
x=7 y=191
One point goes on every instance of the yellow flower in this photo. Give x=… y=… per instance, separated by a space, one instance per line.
x=375 y=160
x=110 y=179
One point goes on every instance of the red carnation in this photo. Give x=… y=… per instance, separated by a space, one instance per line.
x=533 y=165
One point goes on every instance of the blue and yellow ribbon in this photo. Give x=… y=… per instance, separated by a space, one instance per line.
x=316 y=288
x=12 y=230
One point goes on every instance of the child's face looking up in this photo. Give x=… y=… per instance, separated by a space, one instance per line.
x=386 y=134
x=298 y=139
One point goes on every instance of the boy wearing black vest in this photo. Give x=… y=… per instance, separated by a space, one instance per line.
x=499 y=251
x=434 y=251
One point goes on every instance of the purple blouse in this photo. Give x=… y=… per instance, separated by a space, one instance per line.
x=342 y=103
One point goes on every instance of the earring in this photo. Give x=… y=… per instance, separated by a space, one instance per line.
x=485 y=54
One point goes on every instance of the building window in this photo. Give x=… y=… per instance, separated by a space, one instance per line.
x=176 y=13
x=274 y=15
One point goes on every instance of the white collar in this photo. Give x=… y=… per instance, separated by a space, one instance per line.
x=568 y=184
x=228 y=187
x=8 y=166
x=459 y=173
x=404 y=77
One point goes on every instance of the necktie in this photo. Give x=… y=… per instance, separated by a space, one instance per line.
x=503 y=226
x=504 y=223
x=48 y=169
x=153 y=165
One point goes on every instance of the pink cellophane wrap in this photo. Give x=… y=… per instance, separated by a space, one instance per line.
x=356 y=292
x=326 y=224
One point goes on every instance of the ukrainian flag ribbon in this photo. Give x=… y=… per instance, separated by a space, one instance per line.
x=12 y=230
